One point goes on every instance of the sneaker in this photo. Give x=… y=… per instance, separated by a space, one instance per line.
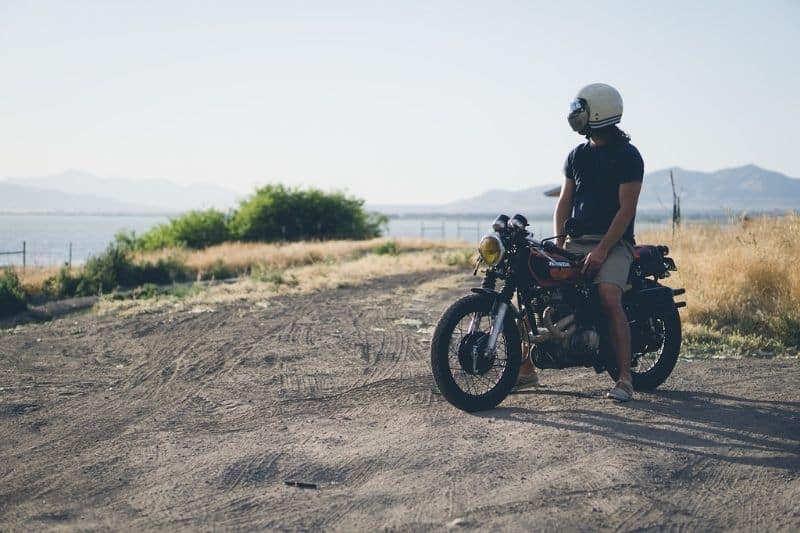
x=526 y=381
x=622 y=392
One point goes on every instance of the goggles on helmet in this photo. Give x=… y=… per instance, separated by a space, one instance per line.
x=578 y=117
x=577 y=105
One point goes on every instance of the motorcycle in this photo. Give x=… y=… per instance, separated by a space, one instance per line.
x=482 y=339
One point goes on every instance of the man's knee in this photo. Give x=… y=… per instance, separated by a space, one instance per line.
x=610 y=296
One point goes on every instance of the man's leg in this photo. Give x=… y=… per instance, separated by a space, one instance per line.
x=527 y=374
x=618 y=328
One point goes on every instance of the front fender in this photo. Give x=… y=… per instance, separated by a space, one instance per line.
x=494 y=295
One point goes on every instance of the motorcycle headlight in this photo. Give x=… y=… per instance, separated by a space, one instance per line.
x=491 y=249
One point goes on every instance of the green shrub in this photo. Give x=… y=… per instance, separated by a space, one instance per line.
x=126 y=239
x=460 y=258
x=275 y=276
x=195 y=229
x=387 y=248
x=162 y=272
x=272 y=213
x=112 y=269
x=102 y=273
x=150 y=290
x=182 y=291
x=145 y=292
x=63 y=284
x=276 y=212
x=12 y=295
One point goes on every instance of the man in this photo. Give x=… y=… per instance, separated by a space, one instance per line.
x=603 y=178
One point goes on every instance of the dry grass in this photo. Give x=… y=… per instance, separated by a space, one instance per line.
x=240 y=258
x=742 y=281
x=268 y=260
x=32 y=278
x=303 y=279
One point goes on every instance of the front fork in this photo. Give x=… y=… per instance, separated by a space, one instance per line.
x=497 y=317
x=498 y=312
x=497 y=326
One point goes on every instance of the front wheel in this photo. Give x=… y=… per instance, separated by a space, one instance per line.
x=466 y=377
x=657 y=344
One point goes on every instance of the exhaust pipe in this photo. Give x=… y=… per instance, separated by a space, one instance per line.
x=561 y=330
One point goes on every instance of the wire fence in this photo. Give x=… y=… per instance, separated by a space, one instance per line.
x=22 y=252
x=469 y=230
x=38 y=256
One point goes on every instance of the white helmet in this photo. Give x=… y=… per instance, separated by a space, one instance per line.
x=597 y=105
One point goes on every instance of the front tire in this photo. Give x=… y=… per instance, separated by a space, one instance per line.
x=648 y=376
x=459 y=384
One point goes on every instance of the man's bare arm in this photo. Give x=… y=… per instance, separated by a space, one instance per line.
x=563 y=208
x=628 y=198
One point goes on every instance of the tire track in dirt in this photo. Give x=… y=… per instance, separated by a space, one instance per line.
x=370 y=339
x=255 y=470
x=392 y=354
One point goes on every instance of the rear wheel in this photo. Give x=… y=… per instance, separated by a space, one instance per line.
x=658 y=342
x=466 y=377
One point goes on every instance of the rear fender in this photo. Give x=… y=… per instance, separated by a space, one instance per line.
x=647 y=302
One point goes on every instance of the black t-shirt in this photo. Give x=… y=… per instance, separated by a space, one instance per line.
x=598 y=172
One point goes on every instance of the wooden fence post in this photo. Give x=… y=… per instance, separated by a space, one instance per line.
x=24 y=247
x=676 y=206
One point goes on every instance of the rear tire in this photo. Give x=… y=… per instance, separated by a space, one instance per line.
x=661 y=370
x=445 y=338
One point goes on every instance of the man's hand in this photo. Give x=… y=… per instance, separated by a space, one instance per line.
x=594 y=260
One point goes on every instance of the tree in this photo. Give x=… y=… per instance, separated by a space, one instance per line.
x=276 y=212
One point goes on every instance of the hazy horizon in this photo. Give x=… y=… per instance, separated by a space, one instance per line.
x=395 y=103
x=744 y=188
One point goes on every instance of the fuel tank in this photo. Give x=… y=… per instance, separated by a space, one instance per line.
x=552 y=269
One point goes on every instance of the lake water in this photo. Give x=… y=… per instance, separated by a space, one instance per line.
x=47 y=237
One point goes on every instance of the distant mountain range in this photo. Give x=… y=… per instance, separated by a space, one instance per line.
x=748 y=188
x=22 y=199
x=80 y=192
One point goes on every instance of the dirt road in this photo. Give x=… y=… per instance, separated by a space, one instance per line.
x=196 y=419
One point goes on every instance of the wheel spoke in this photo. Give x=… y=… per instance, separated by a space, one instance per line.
x=469 y=383
x=646 y=361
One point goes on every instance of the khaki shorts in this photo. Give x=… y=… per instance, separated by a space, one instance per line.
x=618 y=263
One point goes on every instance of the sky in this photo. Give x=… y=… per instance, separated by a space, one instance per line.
x=392 y=101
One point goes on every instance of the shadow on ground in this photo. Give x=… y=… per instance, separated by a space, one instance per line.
x=718 y=426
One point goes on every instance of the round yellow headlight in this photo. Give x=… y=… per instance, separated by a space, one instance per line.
x=491 y=249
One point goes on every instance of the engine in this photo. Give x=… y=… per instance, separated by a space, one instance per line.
x=562 y=337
